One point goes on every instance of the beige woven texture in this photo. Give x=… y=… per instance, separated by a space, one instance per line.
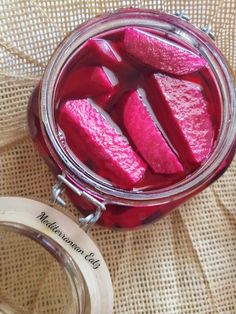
x=185 y=263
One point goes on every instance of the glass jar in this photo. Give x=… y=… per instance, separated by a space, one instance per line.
x=95 y=198
x=48 y=264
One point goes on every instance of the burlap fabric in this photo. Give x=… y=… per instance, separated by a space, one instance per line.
x=186 y=263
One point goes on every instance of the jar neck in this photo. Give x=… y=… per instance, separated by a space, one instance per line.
x=225 y=144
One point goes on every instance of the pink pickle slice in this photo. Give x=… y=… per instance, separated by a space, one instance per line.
x=103 y=100
x=161 y=54
x=186 y=110
x=105 y=51
x=143 y=130
x=86 y=82
x=105 y=145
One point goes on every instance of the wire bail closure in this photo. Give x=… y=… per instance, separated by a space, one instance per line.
x=182 y=15
x=84 y=222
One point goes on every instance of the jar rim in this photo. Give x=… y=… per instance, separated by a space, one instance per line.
x=182 y=30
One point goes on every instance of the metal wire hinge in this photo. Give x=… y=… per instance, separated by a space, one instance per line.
x=182 y=15
x=208 y=31
x=59 y=188
x=205 y=29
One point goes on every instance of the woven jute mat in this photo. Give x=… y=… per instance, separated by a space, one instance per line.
x=185 y=263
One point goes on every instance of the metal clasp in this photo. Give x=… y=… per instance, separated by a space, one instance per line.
x=208 y=31
x=59 y=188
x=182 y=15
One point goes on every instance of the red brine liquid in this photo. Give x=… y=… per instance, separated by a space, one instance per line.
x=139 y=110
x=144 y=89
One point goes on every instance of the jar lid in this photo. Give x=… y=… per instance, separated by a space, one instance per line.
x=68 y=243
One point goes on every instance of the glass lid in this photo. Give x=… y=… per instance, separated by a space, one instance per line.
x=48 y=264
